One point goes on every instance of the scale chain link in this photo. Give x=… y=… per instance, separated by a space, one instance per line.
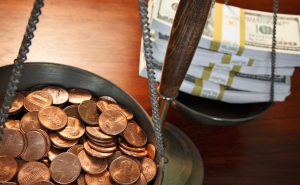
x=143 y=10
x=19 y=64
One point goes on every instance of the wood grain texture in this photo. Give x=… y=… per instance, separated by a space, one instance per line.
x=186 y=32
x=103 y=36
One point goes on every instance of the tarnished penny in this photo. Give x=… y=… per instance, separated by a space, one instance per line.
x=92 y=165
x=8 y=168
x=30 y=122
x=36 y=146
x=124 y=170
x=101 y=148
x=74 y=129
x=102 y=105
x=132 y=153
x=16 y=105
x=142 y=180
x=53 y=152
x=109 y=98
x=96 y=153
x=72 y=111
x=32 y=172
x=61 y=142
x=115 y=155
x=76 y=96
x=151 y=151
x=99 y=179
x=134 y=134
x=65 y=168
x=58 y=94
x=149 y=168
x=127 y=146
x=126 y=112
x=80 y=179
x=88 y=112
x=43 y=183
x=76 y=149
x=37 y=100
x=97 y=133
x=53 y=118
x=13 y=142
x=15 y=124
x=112 y=122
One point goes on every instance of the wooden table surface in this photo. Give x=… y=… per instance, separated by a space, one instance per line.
x=103 y=36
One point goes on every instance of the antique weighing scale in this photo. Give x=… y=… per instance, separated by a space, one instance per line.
x=184 y=164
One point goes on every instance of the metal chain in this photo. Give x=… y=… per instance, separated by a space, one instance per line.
x=273 y=53
x=143 y=9
x=19 y=63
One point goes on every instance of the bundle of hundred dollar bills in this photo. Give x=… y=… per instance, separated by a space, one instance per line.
x=233 y=60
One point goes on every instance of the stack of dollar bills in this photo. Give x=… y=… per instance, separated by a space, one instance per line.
x=233 y=60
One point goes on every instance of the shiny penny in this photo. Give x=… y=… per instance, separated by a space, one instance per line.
x=99 y=141
x=99 y=179
x=37 y=100
x=134 y=134
x=30 y=122
x=109 y=98
x=13 y=142
x=127 y=146
x=72 y=111
x=92 y=165
x=32 y=172
x=151 y=151
x=149 y=168
x=115 y=155
x=53 y=152
x=96 y=153
x=101 y=148
x=76 y=95
x=124 y=170
x=9 y=168
x=102 y=105
x=112 y=122
x=65 y=168
x=142 y=180
x=15 y=124
x=74 y=129
x=97 y=133
x=126 y=112
x=61 y=142
x=17 y=104
x=58 y=94
x=88 y=112
x=48 y=141
x=132 y=153
x=76 y=149
x=36 y=146
x=53 y=118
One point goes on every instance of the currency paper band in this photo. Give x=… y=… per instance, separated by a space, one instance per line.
x=229 y=29
x=237 y=60
x=202 y=91
x=207 y=75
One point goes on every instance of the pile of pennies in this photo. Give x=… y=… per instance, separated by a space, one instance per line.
x=58 y=136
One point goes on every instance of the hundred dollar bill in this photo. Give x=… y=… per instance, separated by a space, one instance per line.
x=206 y=89
x=238 y=31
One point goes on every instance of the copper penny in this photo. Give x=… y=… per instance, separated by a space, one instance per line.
x=53 y=152
x=48 y=141
x=126 y=112
x=32 y=172
x=76 y=149
x=151 y=151
x=80 y=179
x=102 y=105
x=99 y=179
x=101 y=148
x=97 y=133
x=112 y=122
x=65 y=168
x=96 y=153
x=115 y=155
x=142 y=180
x=16 y=105
x=58 y=94
x=132 y=153
x=106 y=144
x=61 y=142
x=76 y=95
x=149 y=168
x=127 y=146
x=36 y=146
x=30 y=122
x=72 y=111
x=134 y=134
x=92 y=165
x=15 y=124
x=99 y=141
x=74 y=129
x=124 y=170
x=88 y=112
x=43 y=183
x=109 y=98
x=37 y=100
x=53 y=118
x=13 y=142
x=45 y=161
x=8 y=168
